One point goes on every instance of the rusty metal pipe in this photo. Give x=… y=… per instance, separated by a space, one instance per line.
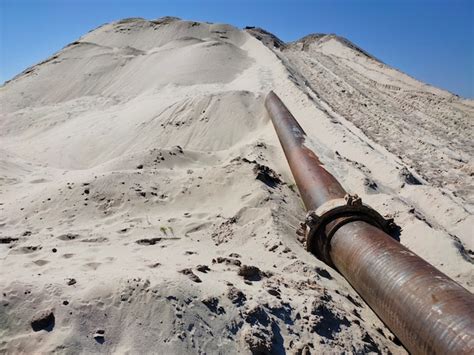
x=428 y=311
x=315 y=184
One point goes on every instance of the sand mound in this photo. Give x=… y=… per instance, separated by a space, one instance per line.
x=428 y=128
x=146 y=205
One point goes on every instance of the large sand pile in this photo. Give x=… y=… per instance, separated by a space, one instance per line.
x=146 y=205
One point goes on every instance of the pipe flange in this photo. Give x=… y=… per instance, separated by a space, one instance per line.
x=320 y=229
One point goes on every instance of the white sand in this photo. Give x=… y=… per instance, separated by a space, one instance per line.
x=132 y=155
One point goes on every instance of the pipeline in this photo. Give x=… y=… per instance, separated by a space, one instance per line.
x=428 y=311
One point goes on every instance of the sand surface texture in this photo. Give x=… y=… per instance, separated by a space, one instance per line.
x=146 y=205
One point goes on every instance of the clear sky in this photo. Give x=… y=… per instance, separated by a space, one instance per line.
x=431 y=40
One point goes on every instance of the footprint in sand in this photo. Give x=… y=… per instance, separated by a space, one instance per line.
x=69 y=236
x=92 y=266
x=41 y=262
x=95 y=240
x=7 y=240
x=28 y=249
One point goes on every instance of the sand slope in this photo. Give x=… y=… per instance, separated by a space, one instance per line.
x=146 y=205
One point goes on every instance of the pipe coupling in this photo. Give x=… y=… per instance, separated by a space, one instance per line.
x=322 y=223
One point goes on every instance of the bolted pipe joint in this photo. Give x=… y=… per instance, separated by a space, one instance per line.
x=322 y=223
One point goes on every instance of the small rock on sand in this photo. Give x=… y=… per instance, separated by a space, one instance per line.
x=43 y=320
x=203 y=268
x=191 y=275
x=249 y=272
x=212 y=303
x=236 y=296
x=227 y=261
x=99 y=336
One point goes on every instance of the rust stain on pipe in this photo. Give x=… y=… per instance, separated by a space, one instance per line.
x=428 y=311
x=315 y=184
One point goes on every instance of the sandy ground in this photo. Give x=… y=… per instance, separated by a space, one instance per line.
x=146 y=205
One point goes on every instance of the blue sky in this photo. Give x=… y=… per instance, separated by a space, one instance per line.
x=432 y=40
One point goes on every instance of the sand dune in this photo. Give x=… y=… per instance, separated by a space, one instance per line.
x=146 y=205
